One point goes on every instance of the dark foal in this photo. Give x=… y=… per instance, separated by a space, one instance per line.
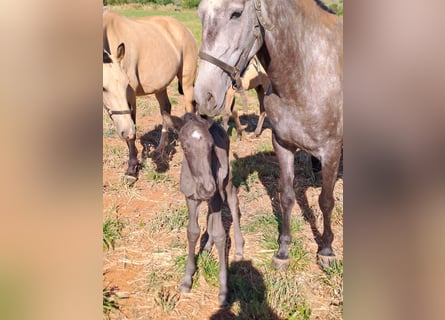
x=205 y=176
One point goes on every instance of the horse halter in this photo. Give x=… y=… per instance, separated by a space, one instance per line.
x=235 y=71
x=113 y=112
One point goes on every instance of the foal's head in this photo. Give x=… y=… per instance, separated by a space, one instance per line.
x=114 y=87
x=197 y=144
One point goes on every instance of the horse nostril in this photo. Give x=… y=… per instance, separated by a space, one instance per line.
x=210 y=99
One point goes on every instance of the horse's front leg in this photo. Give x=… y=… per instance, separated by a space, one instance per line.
x=133 y=163
x=287 y=198
x=192 y=237
x=133 y=159
x=218 y=234
x=165 y=106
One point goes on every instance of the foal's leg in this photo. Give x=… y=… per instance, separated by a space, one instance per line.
x=165 y=106
x=192 y=237
x=232 y=201
x=131 y=143
x=218 y=234
x=326 y=201
x=287 y=198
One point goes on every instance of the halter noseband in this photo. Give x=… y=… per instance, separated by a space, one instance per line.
x=235 y=71
x=113 y=112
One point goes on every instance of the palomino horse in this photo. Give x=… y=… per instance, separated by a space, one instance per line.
x=254 y=77
x=305 y=106
x=158 y=49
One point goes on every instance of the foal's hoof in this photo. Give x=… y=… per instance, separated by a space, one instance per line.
x=326 y=259
x=280 y=264
x=130 y=180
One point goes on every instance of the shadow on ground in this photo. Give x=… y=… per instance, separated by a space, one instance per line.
x=247 y=289
x=267 y=167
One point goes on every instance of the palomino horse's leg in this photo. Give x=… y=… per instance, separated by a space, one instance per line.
x=218 y=234
x=326 y=201
x=192 y=237
x=238 y=125
x=133 y=151
x=260 y=93
x=230 y=102
x=164 y=106
x=187 y=86
x=133 y=159
x=232 y=201
x=287 y=198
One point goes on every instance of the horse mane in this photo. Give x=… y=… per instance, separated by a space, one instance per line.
x=322 y=5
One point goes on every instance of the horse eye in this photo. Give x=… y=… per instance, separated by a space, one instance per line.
x=104 y=90
x=236 y=14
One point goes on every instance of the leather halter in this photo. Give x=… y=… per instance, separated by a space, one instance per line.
x=236 y=71
x=113 y=112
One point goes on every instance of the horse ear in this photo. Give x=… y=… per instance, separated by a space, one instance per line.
x=120 y=51
x=106 y=57
x=173 y=121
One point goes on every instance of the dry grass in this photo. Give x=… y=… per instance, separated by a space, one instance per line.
x=147 y=263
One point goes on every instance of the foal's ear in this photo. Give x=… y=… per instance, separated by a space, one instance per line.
x=173 y=121
x=120 y=51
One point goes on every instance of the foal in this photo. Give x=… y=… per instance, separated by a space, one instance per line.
x=205 y=176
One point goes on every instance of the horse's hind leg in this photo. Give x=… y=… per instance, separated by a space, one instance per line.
x=192 y=237
x=218 y=234
x=260 y=93
x=326 y=201
x=232 y=201
x=287 y=198
x=165 y=106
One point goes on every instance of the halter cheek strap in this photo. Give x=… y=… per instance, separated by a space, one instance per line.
x=235 y=71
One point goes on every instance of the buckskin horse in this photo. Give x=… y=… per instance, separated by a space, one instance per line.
x=254 y=77
x=151 y=51
x=305 y=106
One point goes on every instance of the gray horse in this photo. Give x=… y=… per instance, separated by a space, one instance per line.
x=304 y=107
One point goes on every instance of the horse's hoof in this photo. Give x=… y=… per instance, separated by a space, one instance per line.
x=280 y=264
x=184 y=288
x=238 y=257
x=129 y=179
x=326 y=261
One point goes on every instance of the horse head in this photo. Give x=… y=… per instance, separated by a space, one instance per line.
x=115 y=86
x=197 y=143
x=231 y=35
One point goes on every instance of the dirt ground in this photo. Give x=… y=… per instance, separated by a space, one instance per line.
x=142 y=269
